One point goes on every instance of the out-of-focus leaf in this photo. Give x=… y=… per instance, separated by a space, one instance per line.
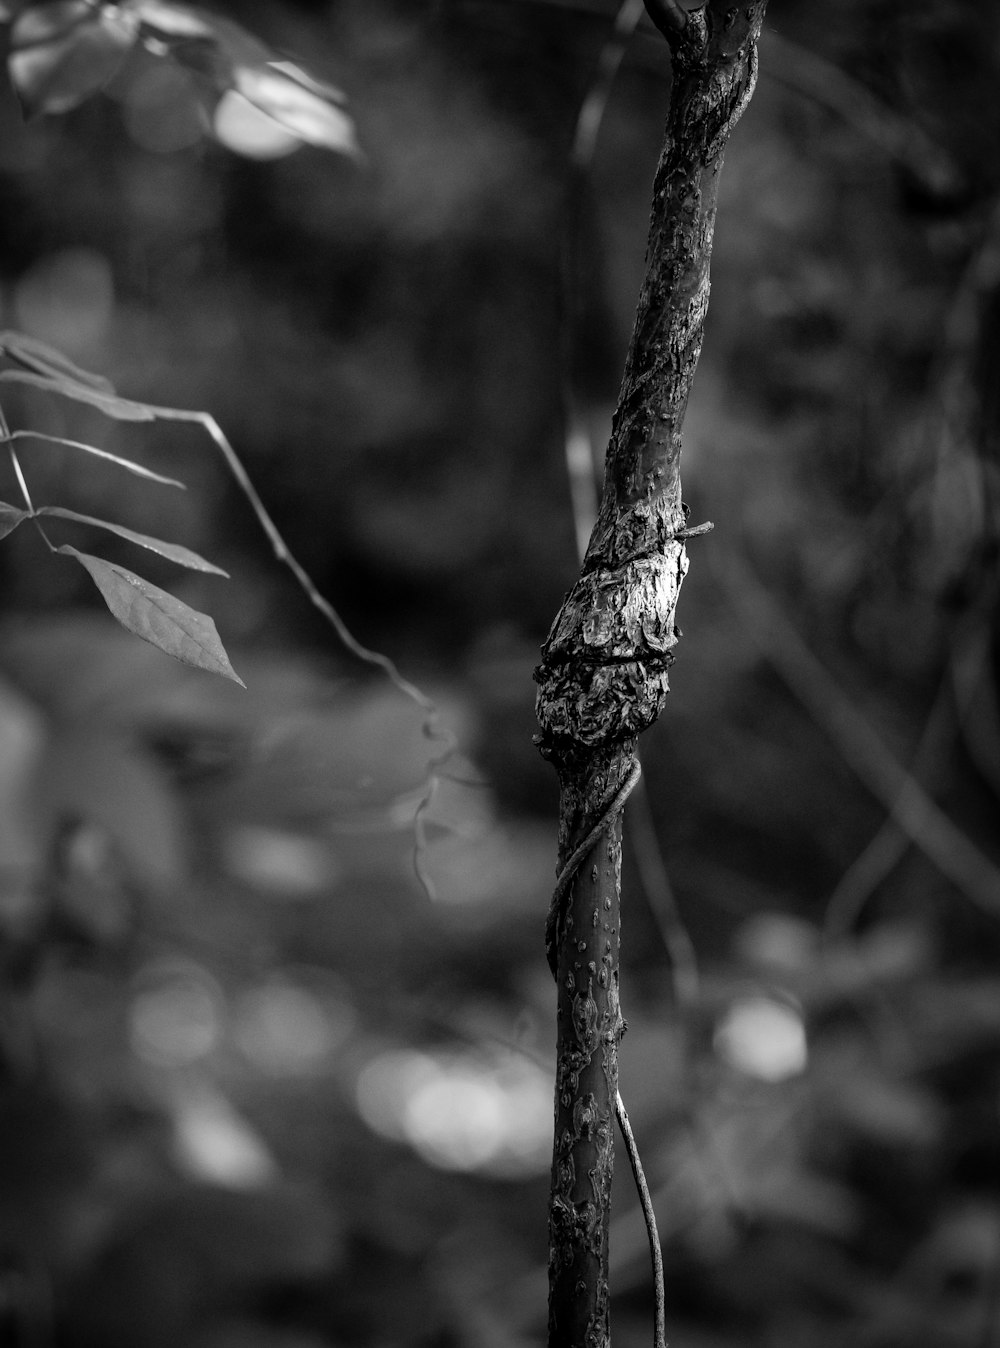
x=174 y=552
x=87 y=881
x=22 y=735
x=157 y=617
x=78 y=669
x=46 y=360
x=214 y=1143
x=174 y=22
x=241 y=127
x=208 y=44
x=297 y=103
x=64 y=51
x=320 y=88
x=235 y=44
x=10 y=518
x=121 y=409
x=92 y=774
x=876 y=1107
x=229 y=58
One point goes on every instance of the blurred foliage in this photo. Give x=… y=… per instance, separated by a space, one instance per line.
x=258 y=1088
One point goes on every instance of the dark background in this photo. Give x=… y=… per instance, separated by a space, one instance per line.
x=259 y=1090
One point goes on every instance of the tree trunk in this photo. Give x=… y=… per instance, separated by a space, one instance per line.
x=603 y=675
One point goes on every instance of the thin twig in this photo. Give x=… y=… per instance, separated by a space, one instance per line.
x=579 y=447
x=890 y=843
x=954 y=431
x=968 y=649
x=434 y=729
x=592 y=109
x=18 y=473
x=898 y=136
x=606 y=819
x=649 y=1215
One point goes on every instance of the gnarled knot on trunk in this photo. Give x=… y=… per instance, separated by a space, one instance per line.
x=603 y=675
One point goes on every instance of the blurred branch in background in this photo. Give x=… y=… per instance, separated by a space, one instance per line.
x=955 y=855
x=901 y=138
x=956 y=709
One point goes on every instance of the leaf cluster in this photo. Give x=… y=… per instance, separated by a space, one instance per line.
x=63 y=51
x=141 y=607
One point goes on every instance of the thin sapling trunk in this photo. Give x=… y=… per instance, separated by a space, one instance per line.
x=603 y=675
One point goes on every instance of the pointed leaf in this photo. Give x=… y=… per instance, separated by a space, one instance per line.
x=122 y=409
x=87 y=772
x=46 y=360
x=10 y=518
x=172 y=551
x=128 y=464
x=64 y=51
x=309 y=115
x=157 y=617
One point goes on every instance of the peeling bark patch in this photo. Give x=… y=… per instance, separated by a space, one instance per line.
x=603 y=675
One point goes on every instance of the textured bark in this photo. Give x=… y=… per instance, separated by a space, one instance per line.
x=603 y=675
x=589 y=1028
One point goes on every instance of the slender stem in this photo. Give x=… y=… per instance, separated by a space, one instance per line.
x=434 y=726
x=649 y=1214
x=22 y=484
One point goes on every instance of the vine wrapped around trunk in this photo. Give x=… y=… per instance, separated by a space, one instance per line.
x=603 y=675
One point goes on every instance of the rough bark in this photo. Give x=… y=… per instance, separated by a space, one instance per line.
x=603 y=674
